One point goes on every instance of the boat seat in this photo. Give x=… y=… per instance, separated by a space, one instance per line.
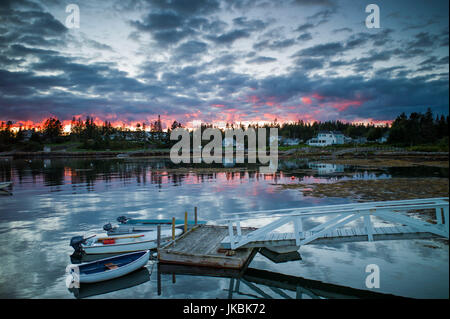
x=111 y=266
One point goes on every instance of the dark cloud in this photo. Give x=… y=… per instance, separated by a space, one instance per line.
x=311 y=63
x=274 y=45
x=261 y=60
x=187 y=8
x=250 y=25
x=342 y=30
x=304 y=27
x=322 y=50
x=189 y=50
x=170 y=22
x=313 y=2
x=194 y=64
x=229 y=37
x=305 y=36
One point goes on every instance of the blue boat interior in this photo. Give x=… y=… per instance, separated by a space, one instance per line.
x=110 y=263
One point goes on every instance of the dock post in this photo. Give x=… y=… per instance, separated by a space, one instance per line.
x=158 y=279
x=173 y=228
x=185 y=221
x=439 y=215
x=446 y=219
x=238 y=229
x=195 y=215
x=230 y=289
x=230 y=233
x=298 y=228
x=158 y=237
x=368 y=226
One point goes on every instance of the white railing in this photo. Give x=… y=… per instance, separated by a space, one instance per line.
x=393 y=211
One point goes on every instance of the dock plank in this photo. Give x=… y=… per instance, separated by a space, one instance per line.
x=200 y=247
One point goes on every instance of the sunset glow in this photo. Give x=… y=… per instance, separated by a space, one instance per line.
x=220 y=62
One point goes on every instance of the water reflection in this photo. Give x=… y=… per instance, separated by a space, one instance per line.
x=88 y=172
x=262 y=284
x=56 y=199
x=136 y=278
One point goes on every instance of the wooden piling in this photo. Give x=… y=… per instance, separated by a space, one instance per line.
x=185 y=221
x=158 y=278
x=158 y=238
x=195 y=215
x=173 y=228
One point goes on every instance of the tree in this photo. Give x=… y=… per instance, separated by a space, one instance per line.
x=53 y=128
x=175 y=125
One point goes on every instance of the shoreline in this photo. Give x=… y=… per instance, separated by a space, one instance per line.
x=353 y=156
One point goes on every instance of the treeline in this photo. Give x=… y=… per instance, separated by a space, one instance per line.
x=419 y=129
x=306 y=131
x=105 y=136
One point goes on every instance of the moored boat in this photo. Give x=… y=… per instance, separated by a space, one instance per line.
x=108 y=268
x=128 y=225
x=101 y=244
x=4 y=184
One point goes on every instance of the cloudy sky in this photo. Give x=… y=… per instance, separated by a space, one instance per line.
x=222 y=61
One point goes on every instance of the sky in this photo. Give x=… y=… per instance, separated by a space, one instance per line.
x=220 y=61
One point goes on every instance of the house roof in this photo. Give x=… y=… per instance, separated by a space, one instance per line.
x=331 y=132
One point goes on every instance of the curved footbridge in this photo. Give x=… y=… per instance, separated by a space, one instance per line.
x=228 y=244
x=338 y=224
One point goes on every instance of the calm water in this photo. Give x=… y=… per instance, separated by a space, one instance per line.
x=56 y=199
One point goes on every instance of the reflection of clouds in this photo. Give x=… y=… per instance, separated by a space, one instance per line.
x=36 y=226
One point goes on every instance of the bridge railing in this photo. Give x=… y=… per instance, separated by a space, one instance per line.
x=341 y=215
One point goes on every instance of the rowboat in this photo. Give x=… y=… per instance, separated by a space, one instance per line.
x=100 y=244
x=133 y=279
x=129 y=225
x=108 y=268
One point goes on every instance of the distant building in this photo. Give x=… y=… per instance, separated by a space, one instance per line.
x=325 y=168
x=347 y=140
x=327 y=138
x=360 y=140
x=26 y=134
x=384 y=138
x=290 y=141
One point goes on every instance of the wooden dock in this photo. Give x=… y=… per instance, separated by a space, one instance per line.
x=200 y=246
x=275 y=240
x=233 y=246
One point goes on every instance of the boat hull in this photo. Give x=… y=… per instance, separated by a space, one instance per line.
x=4 y=185
x=124 y=244
x=119 y=248
x=135 y=264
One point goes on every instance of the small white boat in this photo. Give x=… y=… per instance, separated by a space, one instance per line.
x=101 y=244
x=4 y=184
x=108 y=268
x=131 y=225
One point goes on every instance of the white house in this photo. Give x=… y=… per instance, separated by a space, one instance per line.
x=326 y=168
x=327 y=138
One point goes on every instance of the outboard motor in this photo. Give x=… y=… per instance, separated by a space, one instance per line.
x=122 y=219
x=107 y=227
x=76 y=242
